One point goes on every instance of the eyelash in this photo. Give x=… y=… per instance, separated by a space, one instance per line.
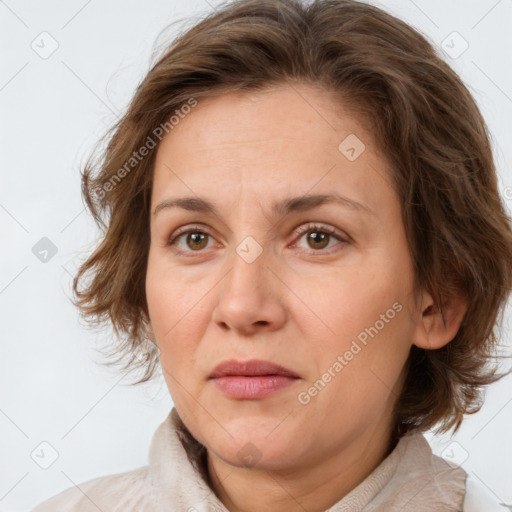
x=299 y=232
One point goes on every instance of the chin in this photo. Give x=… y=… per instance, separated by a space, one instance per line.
x=250 y=455
x=253 y=447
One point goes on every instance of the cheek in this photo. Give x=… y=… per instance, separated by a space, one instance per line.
x=171 y=314
x=171 y=300
x=357 y=377
x=362 y=317
x=342 y=304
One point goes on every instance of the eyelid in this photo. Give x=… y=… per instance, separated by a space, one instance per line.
x=320 y=226
x=186 y=229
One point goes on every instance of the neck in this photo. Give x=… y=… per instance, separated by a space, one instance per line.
x=312 y=485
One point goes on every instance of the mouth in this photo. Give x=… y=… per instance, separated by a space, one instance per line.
x=251 y=380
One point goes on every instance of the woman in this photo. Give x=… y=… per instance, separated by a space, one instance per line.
x=304 y=222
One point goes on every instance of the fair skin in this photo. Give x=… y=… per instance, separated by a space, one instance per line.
x=299 y=304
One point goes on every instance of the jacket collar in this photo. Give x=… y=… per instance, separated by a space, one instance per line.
x=411 y=477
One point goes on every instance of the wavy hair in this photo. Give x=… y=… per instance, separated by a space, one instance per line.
x=424 y=120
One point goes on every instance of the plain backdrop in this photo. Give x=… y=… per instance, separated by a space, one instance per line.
x=68 y=70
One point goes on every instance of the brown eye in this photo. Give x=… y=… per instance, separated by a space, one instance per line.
x=190 y=240
x=196 y=240
x=318 y=239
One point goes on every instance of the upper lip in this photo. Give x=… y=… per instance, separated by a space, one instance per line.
x=252 y=367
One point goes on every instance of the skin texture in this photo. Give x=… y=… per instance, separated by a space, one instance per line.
x=299 y=304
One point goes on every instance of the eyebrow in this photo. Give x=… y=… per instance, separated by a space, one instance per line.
x=279 y=209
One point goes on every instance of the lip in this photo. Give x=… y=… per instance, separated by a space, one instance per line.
x=253 y=367
x=251 y=380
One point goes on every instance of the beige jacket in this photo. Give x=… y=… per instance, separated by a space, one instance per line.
x=411 y=478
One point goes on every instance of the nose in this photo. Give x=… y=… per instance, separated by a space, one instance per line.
x=251 y=297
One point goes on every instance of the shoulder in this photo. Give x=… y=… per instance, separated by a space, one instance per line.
x=479 y=499
x=474 y=495
x=122 y=491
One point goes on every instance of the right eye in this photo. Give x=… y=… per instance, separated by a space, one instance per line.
x=195 y=240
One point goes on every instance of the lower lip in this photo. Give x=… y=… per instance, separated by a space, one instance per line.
x=252 y=388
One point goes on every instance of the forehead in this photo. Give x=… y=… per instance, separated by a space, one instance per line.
x=275 y=140
x=278 y=113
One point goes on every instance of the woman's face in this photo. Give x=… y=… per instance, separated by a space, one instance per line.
x=333 y=303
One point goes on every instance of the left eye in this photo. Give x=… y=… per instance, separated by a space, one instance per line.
x=318 y=237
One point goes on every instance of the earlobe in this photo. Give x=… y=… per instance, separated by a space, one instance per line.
x=437 y=326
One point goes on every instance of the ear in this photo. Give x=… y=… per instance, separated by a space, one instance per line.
x=431 y=331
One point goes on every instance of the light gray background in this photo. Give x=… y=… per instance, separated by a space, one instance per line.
x=53 y=110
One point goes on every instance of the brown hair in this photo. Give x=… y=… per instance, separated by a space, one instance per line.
x=422 y=117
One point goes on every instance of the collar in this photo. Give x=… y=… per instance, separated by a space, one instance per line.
x=410 y=478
